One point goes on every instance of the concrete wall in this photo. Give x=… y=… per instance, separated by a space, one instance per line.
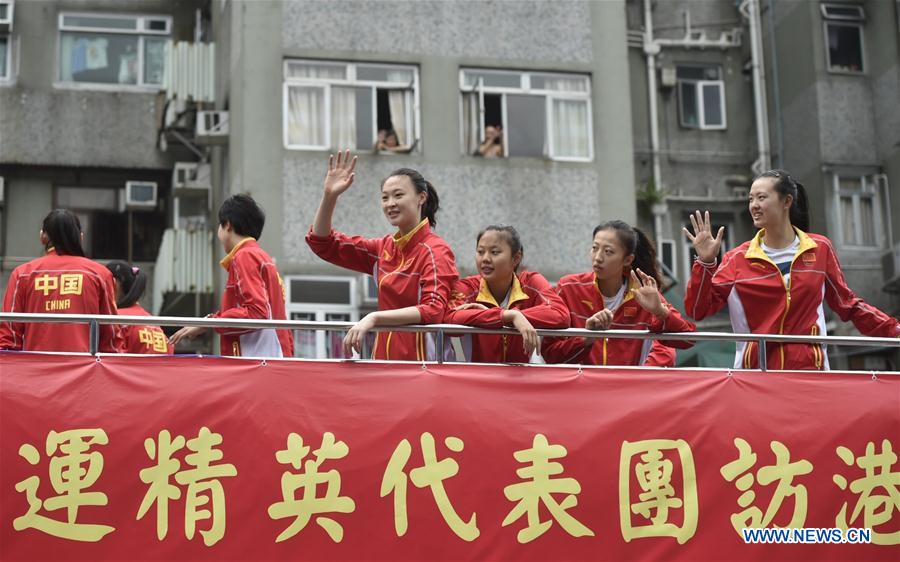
x=554 y=204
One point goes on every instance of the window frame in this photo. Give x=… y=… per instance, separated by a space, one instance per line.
x=526 y=89
x=141 y=32
x=700 y=99
x=862 y=45
x=320 y=311
x=7 y=79
x=413 y=112
x=869 y=184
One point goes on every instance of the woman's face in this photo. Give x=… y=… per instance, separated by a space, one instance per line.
x=401 y=203
x=608 y=256
x=767 y=208
x=494 y=259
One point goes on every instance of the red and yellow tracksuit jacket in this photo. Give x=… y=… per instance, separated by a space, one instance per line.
x=531 y=294
x=416 y=269
x=143 y=339
x=55 y=284
x=253 y=291
x=761 y=301
x=582 y=295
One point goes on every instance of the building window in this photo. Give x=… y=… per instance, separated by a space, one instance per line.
x=862 y=221
x=5 y=58
x=510 y=113
x=321 y=299
x=346 y=105
x=701 y=97
x=844 y=37
x=113 y=49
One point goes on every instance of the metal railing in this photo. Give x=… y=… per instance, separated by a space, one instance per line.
x=94 y=321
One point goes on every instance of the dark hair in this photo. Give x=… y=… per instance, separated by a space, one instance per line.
x=432 y=203
x=63 y=230
x=786 y=185
x=131 y=280
x=637 y=244
x=511 y=235
x=245 y=215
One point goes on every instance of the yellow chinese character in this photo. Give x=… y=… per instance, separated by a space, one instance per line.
x=432 y=474
x=161 y=491
x=539 y=488
x=145 y=336
x=876 y=509
x=71 y=283
x=205 y=497
x=46 y=283
x=71 y=472
x=654 y=476
x=159 y=342
x=783 y=472
x=309 y=480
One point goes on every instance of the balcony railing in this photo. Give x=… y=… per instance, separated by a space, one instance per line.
x=441 y=330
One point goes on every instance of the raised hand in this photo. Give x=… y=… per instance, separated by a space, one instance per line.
x=340 y=173
x=647 y=293
x=706 y=246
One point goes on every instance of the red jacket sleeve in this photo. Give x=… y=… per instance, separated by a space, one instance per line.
x=850 y=308
x=12 y=335
x=465 y=291
x=708 y=288
x=252 y=297
x=439 y=275
x=660 y=355
x=549 y=310
x=353 y=252
x=111 y=339
x=564 y=350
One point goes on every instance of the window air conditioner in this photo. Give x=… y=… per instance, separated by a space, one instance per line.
x=140 y=195
x=212 y=127
x=191 y=178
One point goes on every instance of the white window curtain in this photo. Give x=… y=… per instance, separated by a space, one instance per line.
x=306 y=116
x=343 y=118
x=399 y=101
x=570 y=129
x=471 y=122
x=847 y=228
x=569 y=119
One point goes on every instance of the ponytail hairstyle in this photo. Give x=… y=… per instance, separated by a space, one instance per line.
x=512 y=238
x=637 y=244
x=432 y=203
x=786 y=185
x=63 y=231
x=130 y=279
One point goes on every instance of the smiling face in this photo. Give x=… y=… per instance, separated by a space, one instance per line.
x=608 y=256
x=494 y=258
x=401 y=204
x=768 y=208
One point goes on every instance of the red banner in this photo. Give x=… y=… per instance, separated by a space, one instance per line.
x=228 y=459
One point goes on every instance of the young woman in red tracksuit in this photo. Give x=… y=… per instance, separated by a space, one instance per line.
x=621 y=293
x=130 y=285
x=414 y=268
x=501 y=295
x=61 y=282
x=777 y=282
x=253 y=290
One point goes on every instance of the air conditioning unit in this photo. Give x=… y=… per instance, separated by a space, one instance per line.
x=740 y=192
x=2 y=191
x=212 y=127
x=890 y=267
x=140 y=195
x=191 y=178
x=6 y=15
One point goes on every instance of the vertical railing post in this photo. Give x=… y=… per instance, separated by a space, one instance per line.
x=439 y=346
x=762 y=354
x=94 y=337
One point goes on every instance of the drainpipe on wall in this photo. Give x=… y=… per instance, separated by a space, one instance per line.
x=651 y=50
x=750 y=10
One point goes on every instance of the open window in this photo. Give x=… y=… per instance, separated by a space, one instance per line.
x=350 y=105
x=540 y=115
x=701 y=97
x=843 y=25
